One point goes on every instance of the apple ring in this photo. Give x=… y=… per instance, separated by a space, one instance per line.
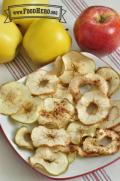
x=100 y=110
x=113 y=119
x=111 y=77
x=78 y=131
x=12 y=95
x=79 y=63
x=20 y=138
x=46 y=160
x=91 y=79
x=97 y=145
x=42 y=83
x=56 y=113
x=73 y=63
x=42 y=136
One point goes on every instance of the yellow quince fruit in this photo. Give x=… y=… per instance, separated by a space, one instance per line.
x=46 y=39
x=10 y=38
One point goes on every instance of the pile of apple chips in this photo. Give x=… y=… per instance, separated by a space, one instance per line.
x=70 y=111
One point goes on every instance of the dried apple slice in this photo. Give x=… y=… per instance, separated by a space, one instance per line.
x=114 y=113
x=117 y=128
x=112 y=77
x=80 y=63
x=78 y=131
x=101 y=104
x=113 y=117
x=28 y=112
x=73 y=63
x=82 y=153
x=99 y=146
x=58 y=66
x=20 y=138
x=53 y=163
x=110 y=124
x=66 y=77
x=11 y=96
x=56 y=112
x=88 y=79
x=42 y=83
x=74 y=131
x=63 y=93
x=49 y=137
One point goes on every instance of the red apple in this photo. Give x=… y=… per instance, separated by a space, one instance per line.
x=97 y=30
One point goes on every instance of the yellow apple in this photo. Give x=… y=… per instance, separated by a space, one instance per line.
x=22 y=23
x=46 y=39
x=10 y=38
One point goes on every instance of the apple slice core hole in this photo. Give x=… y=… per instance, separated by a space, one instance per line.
x=105 y=141
x=92 y=108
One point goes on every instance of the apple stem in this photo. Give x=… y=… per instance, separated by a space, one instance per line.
x=101 y=19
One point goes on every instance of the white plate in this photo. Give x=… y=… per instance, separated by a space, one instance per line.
x=81 y=165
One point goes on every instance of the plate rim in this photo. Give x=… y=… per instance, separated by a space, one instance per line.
x=61 y=178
